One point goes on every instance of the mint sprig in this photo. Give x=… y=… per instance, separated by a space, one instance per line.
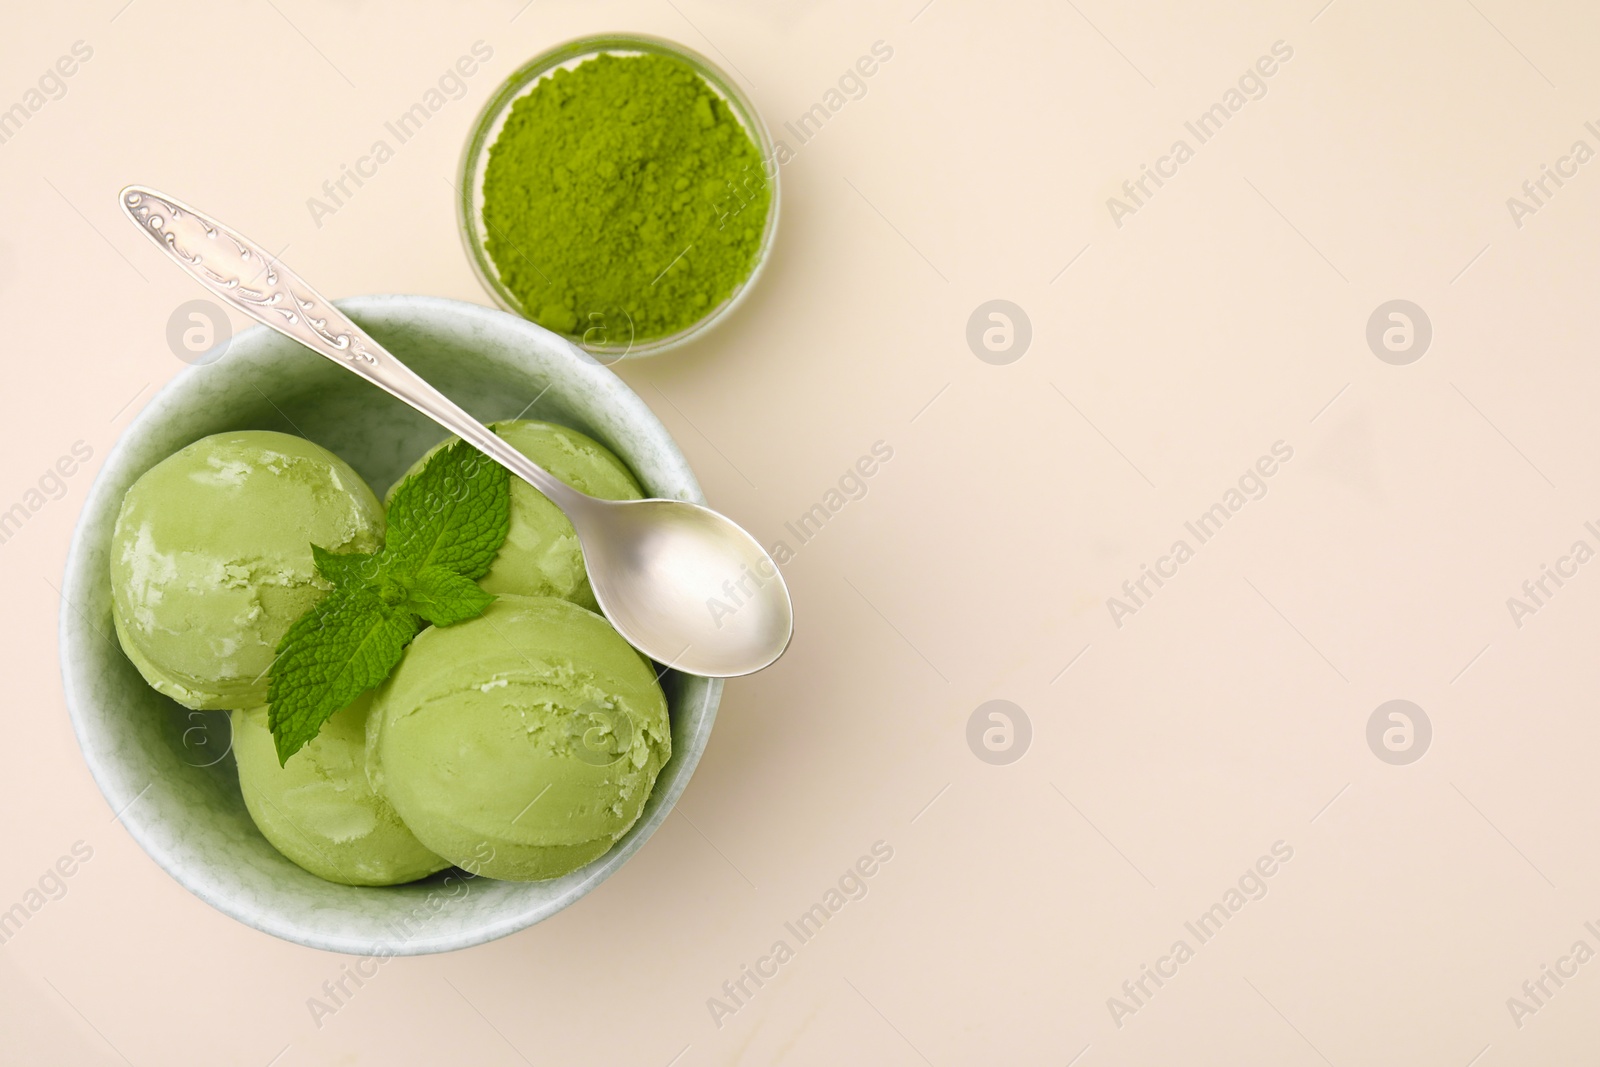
x=444 y=597
x=446 y=524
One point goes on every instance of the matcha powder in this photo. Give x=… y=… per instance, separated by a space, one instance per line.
x=623 y=189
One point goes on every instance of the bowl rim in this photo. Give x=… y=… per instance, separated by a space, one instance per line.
x=112 y=781
x=474 y=156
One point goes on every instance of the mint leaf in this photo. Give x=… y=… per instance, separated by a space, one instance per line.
x=446 y=525
x=445 y=598
x=454 y=513
x=344 y=568
x=333 y=653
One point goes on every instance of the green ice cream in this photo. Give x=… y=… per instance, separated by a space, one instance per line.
x=541 y=556
x=319 y=810
x=520 y=744
x=211 y=559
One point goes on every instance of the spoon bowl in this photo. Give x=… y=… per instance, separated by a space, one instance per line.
x=679 y=573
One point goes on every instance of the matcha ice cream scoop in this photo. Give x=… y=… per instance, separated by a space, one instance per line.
x=319 y=811
x=541 y=556
x=520 y=744
x=211 y=559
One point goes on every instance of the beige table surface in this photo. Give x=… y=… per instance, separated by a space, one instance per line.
x=1176 y=339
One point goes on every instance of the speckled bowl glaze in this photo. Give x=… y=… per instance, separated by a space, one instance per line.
x=167 y=771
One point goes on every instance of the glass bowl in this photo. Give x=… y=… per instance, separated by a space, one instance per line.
x=609 y=335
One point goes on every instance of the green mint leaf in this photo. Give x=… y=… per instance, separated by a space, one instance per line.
x=446 y=525
x=445 y=598
x=346 y=568
x=454 y=513
x=345 y=645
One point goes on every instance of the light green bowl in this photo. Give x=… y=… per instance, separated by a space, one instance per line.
x=168 y=771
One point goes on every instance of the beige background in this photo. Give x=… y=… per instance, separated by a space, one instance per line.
x=1230 y=713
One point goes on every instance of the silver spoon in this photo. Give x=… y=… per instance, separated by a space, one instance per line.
x=683 y=584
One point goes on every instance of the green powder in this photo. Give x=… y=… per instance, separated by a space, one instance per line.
x=623 y=193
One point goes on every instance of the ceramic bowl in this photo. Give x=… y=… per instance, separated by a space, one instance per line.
x=167 y=771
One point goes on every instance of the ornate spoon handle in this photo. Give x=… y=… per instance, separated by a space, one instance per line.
x=242 y=273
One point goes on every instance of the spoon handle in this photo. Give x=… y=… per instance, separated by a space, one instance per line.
x=244 y=275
